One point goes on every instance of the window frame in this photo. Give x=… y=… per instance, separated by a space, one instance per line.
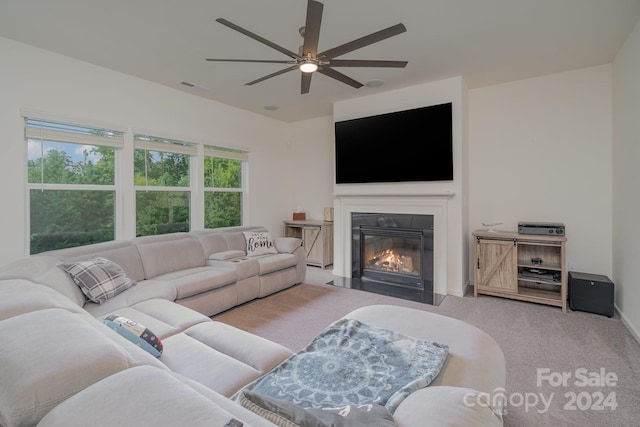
x=146 y=142
x=124 y=172
x=229 y=154
x=54 y=133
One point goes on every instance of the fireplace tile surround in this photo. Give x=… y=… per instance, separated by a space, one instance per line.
x=433 y=203
x=392 y=254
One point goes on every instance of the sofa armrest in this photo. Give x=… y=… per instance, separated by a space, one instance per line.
x=287 y=245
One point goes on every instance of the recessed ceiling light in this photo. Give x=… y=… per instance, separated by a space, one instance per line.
x=271 y=107
x=374 y=83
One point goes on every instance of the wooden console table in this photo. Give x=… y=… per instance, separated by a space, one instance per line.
x=317 y=239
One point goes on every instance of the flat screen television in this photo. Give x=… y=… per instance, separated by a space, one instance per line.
x=409 y=145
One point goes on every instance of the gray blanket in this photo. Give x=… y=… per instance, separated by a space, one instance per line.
x=351 y=363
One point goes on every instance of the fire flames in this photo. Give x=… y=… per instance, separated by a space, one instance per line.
x=389 y=260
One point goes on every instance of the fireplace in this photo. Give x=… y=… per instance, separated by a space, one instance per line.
x=448 y=254
x=392 y=254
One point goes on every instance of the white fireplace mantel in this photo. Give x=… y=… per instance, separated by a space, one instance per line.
x=432 y=203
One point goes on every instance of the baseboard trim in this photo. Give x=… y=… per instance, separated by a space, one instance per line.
x=630 y=326
x=468 y=288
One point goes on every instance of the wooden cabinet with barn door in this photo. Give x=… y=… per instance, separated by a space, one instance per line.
x=317 y=239
x=520 y=266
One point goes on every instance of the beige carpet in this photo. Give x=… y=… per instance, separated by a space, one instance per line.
x=531 y=336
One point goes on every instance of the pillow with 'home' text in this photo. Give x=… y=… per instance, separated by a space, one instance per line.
x=259 y=243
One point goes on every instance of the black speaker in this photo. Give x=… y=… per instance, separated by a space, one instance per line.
x=592 y=293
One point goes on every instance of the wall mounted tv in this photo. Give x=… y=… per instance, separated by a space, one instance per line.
x=410 y=145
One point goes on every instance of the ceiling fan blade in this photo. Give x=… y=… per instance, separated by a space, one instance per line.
x=366 y=63
x=363 y=41
x=330 y=72
x=258 y=38
x=305 y=84
x=312 y=28
x=266 y=61
x=277 y=73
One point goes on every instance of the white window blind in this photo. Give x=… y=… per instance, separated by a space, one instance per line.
x=225 y=153
x=152 y=143
x=36 y=129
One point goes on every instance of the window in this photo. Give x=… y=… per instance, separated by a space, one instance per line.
x=162 y=181
x=223 y=183
x=70 y=183
x=76 y=193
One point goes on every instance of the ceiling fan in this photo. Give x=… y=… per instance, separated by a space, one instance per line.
x=309 y=60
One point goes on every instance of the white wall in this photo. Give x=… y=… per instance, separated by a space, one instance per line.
x=450 y=90
x=43 y=81
x=311 y=168
x=626 y=177
x=540 y=150
x=560 y=125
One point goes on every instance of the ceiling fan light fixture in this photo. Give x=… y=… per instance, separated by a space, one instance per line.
x=308 y=66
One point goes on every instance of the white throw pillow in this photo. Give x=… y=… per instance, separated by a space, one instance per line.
x=259 y=243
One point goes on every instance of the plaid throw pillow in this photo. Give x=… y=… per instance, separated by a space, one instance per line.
x=98 y=278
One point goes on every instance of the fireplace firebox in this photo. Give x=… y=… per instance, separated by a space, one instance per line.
x=392 y=254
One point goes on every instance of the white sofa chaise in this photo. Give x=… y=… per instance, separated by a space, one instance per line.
x=60 y=365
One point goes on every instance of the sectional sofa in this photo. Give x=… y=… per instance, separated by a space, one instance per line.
x=206 y=270
x=61 y=365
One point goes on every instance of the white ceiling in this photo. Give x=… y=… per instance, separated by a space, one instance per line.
x=167 y=41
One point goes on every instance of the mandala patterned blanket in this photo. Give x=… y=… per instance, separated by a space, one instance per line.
x=351 y=363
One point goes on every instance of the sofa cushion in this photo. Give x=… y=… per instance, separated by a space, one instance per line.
x=122 y=252
x=44 y=269
x=48 y=356
x=192 y=281
x=144 y=291
x=257 y=352
x=194 y=359
x=271 y=263
x=212 y=242
x=142 y=396
x=169 y=252
x=58 y=279
x=259 y=243
x=98 y=278
x=19 y=296
x=220 y=356
x=164 y=318
x=244 y=267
